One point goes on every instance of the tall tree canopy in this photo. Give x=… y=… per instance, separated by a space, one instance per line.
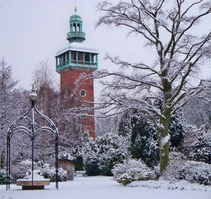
x=160 y=88
x=8 y=105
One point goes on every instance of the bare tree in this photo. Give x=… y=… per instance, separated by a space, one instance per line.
x=106 y=125
x=69 y=120
x=62 y=107
x=198 y=110
x=47 y=102
x=157 y=89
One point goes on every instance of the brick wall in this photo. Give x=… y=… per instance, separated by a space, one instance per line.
x=68 y=81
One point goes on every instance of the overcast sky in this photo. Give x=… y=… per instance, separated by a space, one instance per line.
x=35 y=30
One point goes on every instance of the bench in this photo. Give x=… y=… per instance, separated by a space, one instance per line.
x=37 y=184
x=80 y=173
x=38 y=181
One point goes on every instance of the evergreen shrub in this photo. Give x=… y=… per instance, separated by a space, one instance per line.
x=192 y=171
x=196 y=172
x=143 y=135
x=100 y=156
x=197 y=144
x=50 y=173
x=19 y=169
x=176 y=161
x=3 y=176
x=132 y=170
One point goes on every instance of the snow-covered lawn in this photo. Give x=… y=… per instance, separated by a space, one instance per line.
x=105 y=188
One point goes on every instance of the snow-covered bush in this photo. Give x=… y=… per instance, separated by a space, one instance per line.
x=19 y=170
x=201 y=149
x=78 y=158
x=144 y=143
x=197 y=144
x=143 y=134
x=176 y=161
x=66 y=156
x=50 y=173
x=133 y=170
x=90 y=158
x=100 y=156
x=196 y=172
x=112 y=149
x=3 y=176
x=177 y=129
x=108 y=159
x=181 y=169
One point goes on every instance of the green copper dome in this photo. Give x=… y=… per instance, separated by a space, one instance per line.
x=75 y=17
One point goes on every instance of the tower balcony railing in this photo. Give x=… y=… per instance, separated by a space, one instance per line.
x=75 y=34
x=77 y=64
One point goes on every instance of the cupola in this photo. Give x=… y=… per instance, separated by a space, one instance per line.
x=76 y=34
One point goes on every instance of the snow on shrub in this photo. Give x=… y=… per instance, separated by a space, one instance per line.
x=90 y=158
x=176 y=161
x=192 y=171
x=100 y=156
x=132 y=170
x=3 y=176
x=197 y=144
x=196 y=172
x=50 y=173
x=108 y=159
x=66 y=156
x=19 y=170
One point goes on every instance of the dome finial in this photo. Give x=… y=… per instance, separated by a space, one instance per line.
x=75 y=7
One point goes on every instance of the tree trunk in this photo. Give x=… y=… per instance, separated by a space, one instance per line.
x=164 y=141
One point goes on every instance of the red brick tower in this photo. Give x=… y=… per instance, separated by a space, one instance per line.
x=78 y=58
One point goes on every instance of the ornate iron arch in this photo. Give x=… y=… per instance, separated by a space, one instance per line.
x=32 y=123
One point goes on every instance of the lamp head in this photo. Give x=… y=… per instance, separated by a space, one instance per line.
x=33 y=95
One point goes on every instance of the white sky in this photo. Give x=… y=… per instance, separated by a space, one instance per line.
x=35 y=30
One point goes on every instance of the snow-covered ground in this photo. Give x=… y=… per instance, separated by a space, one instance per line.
x=105 y=188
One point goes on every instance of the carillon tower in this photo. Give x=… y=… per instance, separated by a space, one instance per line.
x=76 y=59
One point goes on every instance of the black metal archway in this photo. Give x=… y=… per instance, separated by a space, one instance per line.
x=32 y=123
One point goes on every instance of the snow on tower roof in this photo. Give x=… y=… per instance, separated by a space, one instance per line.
x=79 y=46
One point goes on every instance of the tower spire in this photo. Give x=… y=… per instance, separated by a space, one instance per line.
x=75 y=7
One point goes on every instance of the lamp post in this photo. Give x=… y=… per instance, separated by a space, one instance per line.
x=31 y=123
x=32 y=98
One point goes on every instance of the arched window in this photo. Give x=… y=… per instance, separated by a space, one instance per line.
x=74 y=27
x=78 y=27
